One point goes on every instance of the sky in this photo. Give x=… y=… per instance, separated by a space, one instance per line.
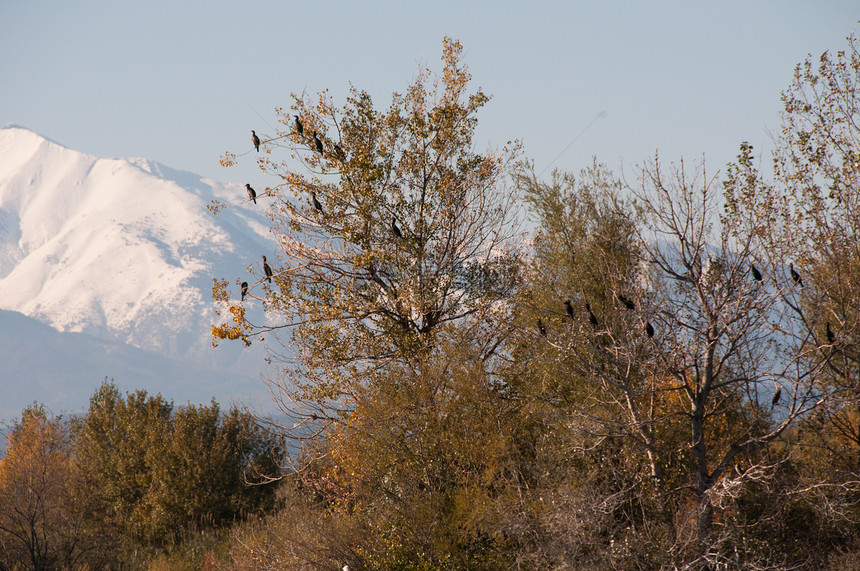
x=181 y=82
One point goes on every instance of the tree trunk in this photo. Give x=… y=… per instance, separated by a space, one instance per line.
x=704 y=508
x=704 y=523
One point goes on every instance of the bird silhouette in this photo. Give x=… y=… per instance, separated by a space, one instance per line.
x=627 y=303
x=776 y=396
x=540 y=327
x=831 y=337
x=299 y=128
x=649 y=329
x=338 y=152
x=251 y=193
x=394 y=228
x=794 y=275
x=318 y=144
x=316 y=203
x=568 y=308
x=755 y=273
x=244 y=290
x=591 y=317
x=256 y=140
x=267 y=270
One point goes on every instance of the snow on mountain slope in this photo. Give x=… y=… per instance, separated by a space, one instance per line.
x=122 y=249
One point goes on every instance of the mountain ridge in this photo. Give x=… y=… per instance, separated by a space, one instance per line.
x=123 y=251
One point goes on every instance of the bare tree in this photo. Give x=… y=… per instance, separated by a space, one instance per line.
x=726 y=346
x=677 y=349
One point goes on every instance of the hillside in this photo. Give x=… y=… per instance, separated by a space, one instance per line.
x=122 y=251
x=63 y=369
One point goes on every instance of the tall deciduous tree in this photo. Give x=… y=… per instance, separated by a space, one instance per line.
x=817 y=173
x=391 y=228
x=397 y=263
x=806 y=220
x=590 y=392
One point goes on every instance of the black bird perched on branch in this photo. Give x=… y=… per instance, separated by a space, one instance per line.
x=244 y=290
x=649 y=329
x=267 y=270
x=316 y=202
x=256 y=140
x=540 y=327
x=568 y=308
x=251 y=192
x=394 y=228
x=794 y=275
x=591 y=317
x=318 y=144
x=831 y=337
x=299 y=128
x=755 y=273
x=776 y=395
x=627 y=303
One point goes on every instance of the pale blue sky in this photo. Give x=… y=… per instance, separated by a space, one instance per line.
x=181 y=82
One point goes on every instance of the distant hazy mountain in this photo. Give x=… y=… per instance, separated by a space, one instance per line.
x=122 y=251
x=63 y=369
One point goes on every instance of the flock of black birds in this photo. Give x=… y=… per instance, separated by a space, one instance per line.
x=592 y=319
x=317 y=145
x=267 y=270
x=252 y=195
x=317 y=205
x=630 y=305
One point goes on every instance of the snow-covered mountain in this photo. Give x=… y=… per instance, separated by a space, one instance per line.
x=122 y=251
